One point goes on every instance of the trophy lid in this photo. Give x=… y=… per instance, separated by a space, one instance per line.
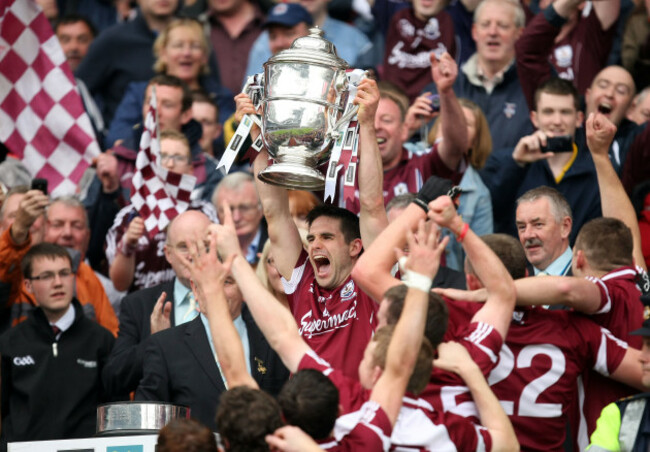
x=311 y=49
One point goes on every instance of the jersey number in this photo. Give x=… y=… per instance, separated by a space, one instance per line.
x=528 y=405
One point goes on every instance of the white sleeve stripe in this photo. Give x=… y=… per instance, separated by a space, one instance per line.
x=296 y=276
x=480 y=443
x=601 y=359
x=481 y=332
x=477 y=336
x=608 y=305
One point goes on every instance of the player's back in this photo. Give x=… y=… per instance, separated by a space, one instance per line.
x=535 y=381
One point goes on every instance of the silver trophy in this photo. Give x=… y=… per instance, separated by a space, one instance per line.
x=304 y=94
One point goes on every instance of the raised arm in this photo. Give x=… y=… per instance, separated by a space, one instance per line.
x=274 y=320
x=283 y=232
x=372 y=217
x=453 y=357
x=373 y=270
x=421 y=267
x=208 y=277
x=454 y=125
x=500 y=302
x=613 y=199
x=122 y=269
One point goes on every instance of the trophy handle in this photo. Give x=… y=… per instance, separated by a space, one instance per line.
x=354 y=78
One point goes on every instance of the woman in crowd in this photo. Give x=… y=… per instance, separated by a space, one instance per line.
x=181 y=50
x=475 y=202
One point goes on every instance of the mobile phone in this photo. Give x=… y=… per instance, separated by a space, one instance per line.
x=40 y=184
x=435 y=102
x=562 y=143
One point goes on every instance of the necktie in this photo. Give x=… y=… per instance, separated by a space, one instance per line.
x=56 y=330
x=191 y=310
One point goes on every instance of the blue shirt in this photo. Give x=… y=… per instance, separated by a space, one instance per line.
x=181 y=304
x=560 y=266
x=240 y=326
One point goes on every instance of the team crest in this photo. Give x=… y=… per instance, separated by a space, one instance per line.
x=563 y=55
x=509 y=109
x=400 y=189
x=432 y=29
x=347 y=291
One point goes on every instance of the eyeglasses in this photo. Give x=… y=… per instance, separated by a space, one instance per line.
x=244 y=209
x=173 y=158
x=49 y=276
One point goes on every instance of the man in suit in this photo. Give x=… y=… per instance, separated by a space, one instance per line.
x=181 y=367
x=146 y=312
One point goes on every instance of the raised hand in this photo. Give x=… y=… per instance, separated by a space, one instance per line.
x=367 y=98
x=424 y=250
x=600 y=134
x=443 y=71
x=161 y=315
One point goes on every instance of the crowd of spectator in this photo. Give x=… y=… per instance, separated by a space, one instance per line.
x=483 y=289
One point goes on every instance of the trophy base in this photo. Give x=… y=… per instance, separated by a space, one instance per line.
x=293 y=176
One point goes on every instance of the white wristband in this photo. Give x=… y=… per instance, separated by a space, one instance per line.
x=414 y=279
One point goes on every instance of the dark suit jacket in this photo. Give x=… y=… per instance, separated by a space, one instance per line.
x=123 y=371
x=179 y=368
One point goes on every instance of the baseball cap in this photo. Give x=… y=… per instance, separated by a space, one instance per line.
x=287 y=15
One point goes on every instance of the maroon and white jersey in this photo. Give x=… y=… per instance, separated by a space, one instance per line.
x=151 y=266
x=409 y=41
x=446 y=391
x=337 y=324
x=621 y=309
x=535 y=381
x=583 y=52
x=368 y=429
x=409 y=175
x=419 y=427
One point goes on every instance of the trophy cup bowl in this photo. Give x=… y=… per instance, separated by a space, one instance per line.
x=304 y=94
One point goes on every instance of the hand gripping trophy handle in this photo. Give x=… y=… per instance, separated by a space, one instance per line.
x=252 y=88
x=354 y=77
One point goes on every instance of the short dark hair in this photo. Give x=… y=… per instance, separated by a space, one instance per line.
x=42 y=250
x=423 y=363
x=245 y=416
x=203 y=97
x=509 y=251
x=349 y=222
x=309 y=400
x=73 y=18
x=437 y=313
x=558 y=87
x=606 y=242
x=173 y=81
x=186 y=435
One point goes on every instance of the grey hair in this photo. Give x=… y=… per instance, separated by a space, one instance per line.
x=400 y=201
x=17 y=190
x=559 y=205
x=233 y=181
x=520 y=16
x=71 y=201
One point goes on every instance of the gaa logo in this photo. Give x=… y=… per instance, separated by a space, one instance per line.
x=24 y=361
